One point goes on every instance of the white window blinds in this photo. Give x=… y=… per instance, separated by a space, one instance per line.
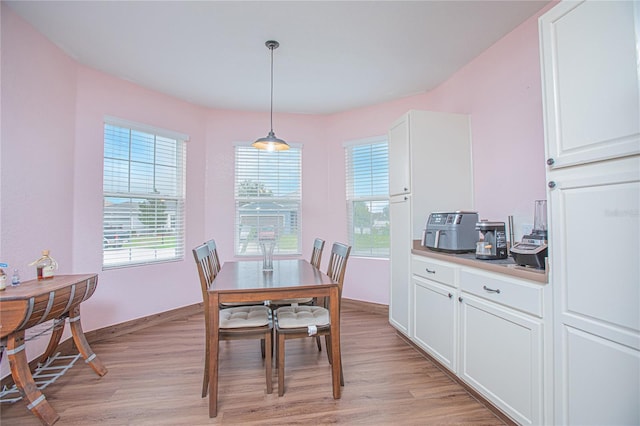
x=268 y=198
x=367 y=172
x=144 y=187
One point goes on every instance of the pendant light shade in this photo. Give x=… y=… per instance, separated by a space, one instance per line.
x=271 y=142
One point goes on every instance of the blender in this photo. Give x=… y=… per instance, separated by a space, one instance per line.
x=532 y=250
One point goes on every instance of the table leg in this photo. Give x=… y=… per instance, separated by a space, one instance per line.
x=23 y=379
x=336 y=359
x=81 y=343
x=56 y=335
x=214 y=336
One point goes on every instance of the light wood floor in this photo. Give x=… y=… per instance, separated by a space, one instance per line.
x=155 y=378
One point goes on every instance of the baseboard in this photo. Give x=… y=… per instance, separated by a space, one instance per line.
x=375 y=308
x=474 y=393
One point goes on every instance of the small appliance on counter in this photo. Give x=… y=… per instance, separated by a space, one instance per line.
x=453 y=232
x=493 y=245
x=532 y=250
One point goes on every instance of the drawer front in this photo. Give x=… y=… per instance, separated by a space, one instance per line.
x=433 y=270
x=520 y=295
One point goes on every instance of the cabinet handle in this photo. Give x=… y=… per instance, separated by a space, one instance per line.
x=450 y=295
x=430 y=271
x=460 y=299
x=551 y=184
x=406 y=198
x=406 y=189
x=490 y=290
x=551 y=162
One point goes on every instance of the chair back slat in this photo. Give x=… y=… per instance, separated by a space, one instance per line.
x=316 y=254
x=213 y=258
x=206 y=267
x=338 y=263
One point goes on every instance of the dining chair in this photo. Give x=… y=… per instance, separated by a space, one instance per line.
x=316 y=258
x=215 y=265
x=240 y=322
x=294 y=322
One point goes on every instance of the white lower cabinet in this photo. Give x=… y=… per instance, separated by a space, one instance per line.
x=488 y=329
x=501 y=357
x=435 y=320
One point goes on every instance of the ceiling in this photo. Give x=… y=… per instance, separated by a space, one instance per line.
x=333 y=56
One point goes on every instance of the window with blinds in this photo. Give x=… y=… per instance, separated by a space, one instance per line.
x=367 y=164
x=144 y=195
x=268 y=194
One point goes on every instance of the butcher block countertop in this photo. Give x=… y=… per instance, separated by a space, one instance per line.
x=501 y=266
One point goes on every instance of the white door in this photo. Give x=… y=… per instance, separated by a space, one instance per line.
x=595 y=273
x=399 y=162
x=435 y=320
x=501 y=356
x=400 y=258
x=590 y=80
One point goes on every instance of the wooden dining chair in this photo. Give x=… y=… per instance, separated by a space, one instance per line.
x=294 y=322
x=316 y=257
x=215 y=265
x=240 y=322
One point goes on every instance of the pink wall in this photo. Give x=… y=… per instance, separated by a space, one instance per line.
x=51 y=158
x=37 y=143
x=501 y=91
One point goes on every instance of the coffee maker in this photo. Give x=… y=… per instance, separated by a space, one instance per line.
x=493 y=244
x=532 y=250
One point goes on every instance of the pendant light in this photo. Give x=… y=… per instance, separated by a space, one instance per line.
x=271 y=142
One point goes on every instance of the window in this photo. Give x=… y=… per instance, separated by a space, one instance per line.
x=268 y=199
x=367 y=174
x=144 y=187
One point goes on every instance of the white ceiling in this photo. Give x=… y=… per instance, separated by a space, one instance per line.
x=333 y=55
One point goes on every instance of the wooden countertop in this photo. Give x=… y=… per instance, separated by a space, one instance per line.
x=507 y=267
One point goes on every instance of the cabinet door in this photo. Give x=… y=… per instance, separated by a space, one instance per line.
x=435 y=325
x=399 y=162
x=590 y=80
x=594 y=251
x=400 y=260
x=501 y=357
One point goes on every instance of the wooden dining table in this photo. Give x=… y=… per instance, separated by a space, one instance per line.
x=245 y=281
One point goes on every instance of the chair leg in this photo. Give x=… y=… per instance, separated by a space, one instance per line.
x=318 y=343
x=341 y=372
x=268 y=361
x=327 y=344
x=205 y=379
x=262 y=349
x=281 y=338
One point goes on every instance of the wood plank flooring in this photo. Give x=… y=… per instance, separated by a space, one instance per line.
x=155 y=378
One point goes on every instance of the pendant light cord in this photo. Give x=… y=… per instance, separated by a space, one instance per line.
x=271 y=48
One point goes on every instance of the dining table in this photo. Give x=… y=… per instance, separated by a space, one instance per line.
x=246 y=281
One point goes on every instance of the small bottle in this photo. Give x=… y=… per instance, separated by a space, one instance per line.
x=45 y=266
x=15 y=278
x=3 y=280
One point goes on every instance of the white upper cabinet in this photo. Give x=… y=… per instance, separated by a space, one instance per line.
x=590 y=58
x=399 y=164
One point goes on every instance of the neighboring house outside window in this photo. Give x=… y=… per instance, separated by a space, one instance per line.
x=367 y=179
x=144 y=194
x=268 y=196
